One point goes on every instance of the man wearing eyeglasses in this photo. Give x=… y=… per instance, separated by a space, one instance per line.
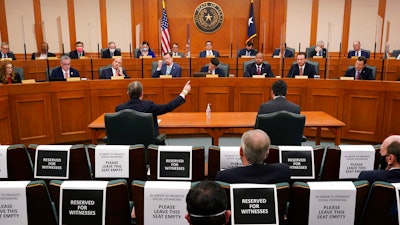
x=64 y=71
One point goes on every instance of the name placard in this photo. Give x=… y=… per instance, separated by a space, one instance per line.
x=354 y=159
x=117 y=77
x=73 y=79
x=332 y=203
x=165 y=202
x=317 y=57
x=254 y=204
x=211 y=75
x=52 y=161
x=346 y=78
x=83 y=202
x=248 y=56
x=165 y=76
x=300 y=160
x=210 y=56
x=112 y=161
x=28 y=81
x=258 y=76
x=13 y=209
x=229 y=157
x=174 y=163
x=145 y=57
x=3 y=161
x=301 y=77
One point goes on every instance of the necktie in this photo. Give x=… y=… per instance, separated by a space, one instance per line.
x=116 y=72
x=168 y=70
x=258 y=70
x=66 y=74
x=358 y=75
x=300 y=70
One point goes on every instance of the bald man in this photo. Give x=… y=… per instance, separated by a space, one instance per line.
x=390 y=150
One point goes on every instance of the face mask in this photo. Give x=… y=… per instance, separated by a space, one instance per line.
x=79 y=49
x=145 y=49
x=112 y=50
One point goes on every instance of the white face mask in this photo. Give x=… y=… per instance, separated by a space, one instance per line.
x=145 y=49
x=112 y=50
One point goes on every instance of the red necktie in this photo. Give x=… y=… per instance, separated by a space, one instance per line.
x=258 y=70
x=116 y=72
x=66 y=75
x=358 y=75
x=301 y=71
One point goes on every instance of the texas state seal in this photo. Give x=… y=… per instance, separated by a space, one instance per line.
x=208 y=17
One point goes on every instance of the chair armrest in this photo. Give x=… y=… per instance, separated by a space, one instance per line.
x=160 y=139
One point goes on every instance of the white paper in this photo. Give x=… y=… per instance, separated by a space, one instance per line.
x=13 y=210
x=112 y=161
x=229 y=157
x=3 y=161
x=354 y=159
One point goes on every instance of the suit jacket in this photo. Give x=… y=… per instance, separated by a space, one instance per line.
x=37 y=54
x=203 y=54
x=395 y=53
x=243 y=51
x=251 y=69
x=308 y=70
x=9 y=55
x=217 y=71
x=147 y=106
x=74 y=54
x=366 y=73
x=314 y=53
x=108 y=73
x=391 y=176
x=256 y=173
x=57 y=73
x=175 y=71
x=288 y=53
x=107 y=53
x=278 y=104
x=353 y=53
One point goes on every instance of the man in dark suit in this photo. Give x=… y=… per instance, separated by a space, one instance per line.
x=259 y=67
x=44 y=52
x=288 y=53
x=357 y=51
x=302 y=67
x=248 y=50
x=111 y=51
x=390 y=150
x=116 y=69
x=175 y=51
x=360 y=71
x=208 y=52
x=212 y=68
x=79 y=52
x=253 y=151
x=319 y=50
x=168 y=67
x=278 y=101
x=64 y=71
x=136 y=102
x=5 y=51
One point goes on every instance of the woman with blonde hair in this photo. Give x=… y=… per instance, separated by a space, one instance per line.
x=7 y=73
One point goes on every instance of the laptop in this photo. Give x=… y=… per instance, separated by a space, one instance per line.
x=199 y=74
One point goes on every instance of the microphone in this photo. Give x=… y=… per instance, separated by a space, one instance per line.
x=291 y=74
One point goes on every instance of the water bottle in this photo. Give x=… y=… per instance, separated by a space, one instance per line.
x=208 y=111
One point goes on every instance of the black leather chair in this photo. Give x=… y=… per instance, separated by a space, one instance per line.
x=19 y=164
x=282 y=127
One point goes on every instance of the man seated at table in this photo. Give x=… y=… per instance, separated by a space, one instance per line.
x=357 y=51
x=259 y=67
x=209 y=52
x=248 y=50
x=301 y=67
x=278 y=101
x=175 y=51
x=212 y=68
x=360 y=71
x=44 y=52
x=254 y=150
x=319 y=50
x=288 y=52
x=5 y=51
x=115 y=70
x=136 y=102
x=64 y=71
x=168 y=67
x=111 y=51
x=78 y=52
x=390 y=150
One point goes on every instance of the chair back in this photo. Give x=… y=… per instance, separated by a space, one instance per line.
x=154 y=66
x=309 y=51
x=103 y=68
x=282 y=127
x=39 y=204
x=315 y=64
x=395 y=53
x=19 y=164
x=136 y=52
x=225 y=68
x=214 y=162
x=20 y=71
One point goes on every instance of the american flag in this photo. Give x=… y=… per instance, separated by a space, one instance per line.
x=165 y=39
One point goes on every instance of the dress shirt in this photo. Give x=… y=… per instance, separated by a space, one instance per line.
x=209 y=52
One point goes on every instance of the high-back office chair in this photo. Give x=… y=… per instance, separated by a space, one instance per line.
x=395 y=53
x=19 y=163
x=282 y=127
x=100 y=70
x=105 y=49
x=154 y=66
x=373 y=68
x=291 y=50
x=20 y=71
x=309 y=51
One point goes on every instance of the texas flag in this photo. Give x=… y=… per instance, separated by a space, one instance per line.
x=251 y=26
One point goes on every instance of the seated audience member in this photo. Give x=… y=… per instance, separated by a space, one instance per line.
x=7 y=73
x=209 y=52
x=136 y=102
x=254 y=150
x=44 y=52
x=390 y=150
x=145 y=50
x=278 y=101
x=259 y=67
x=5 y=51
x=65 y=70
x=115 y=70
x=175 y=51
x=357 y=51
x=212 y=68
x=360 y=71
x=288 y=53
x=111 y=51
x=168 y=67
x=248 y=50
x=78 y=52
x=301 y=67
x=319 y=50
x=207 y=203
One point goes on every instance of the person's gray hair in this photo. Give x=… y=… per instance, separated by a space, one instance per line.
x=64 y=57
x=135 y=90
x=255 y=146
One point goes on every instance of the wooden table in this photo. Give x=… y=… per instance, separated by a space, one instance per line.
x=220 y=122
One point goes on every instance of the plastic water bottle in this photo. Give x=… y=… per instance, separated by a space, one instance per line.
x=208 y=111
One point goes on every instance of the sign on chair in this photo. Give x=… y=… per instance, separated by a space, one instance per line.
x=354 y=159
x=174 y=163
x=300 y=160
x=229 y=157
x=112 y=161
x=13 y=209
x=3 y=161
x=52 y=161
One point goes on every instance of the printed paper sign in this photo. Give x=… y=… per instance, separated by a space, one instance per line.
x=254 y=204
x=354 y=159
x=112 y=161
x=332 y=203
x=13 y=210
x=174 y=163
x=165 y=202
x=397 y=186
x=300 y=160
x=229 y=157
x=52 y=161
x=3 y=161
x=83 y=202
